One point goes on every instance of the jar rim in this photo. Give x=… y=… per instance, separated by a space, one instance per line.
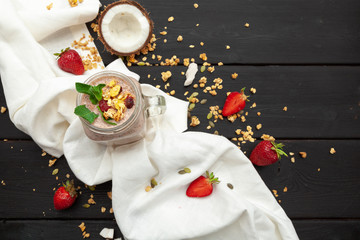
x=132 y=117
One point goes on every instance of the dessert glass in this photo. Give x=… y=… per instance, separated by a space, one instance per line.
x=133 y=127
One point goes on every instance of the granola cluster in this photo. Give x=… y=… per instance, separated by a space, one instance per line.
x=117 y=101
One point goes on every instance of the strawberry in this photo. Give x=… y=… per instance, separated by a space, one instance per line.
x=202 y=186
x=266 y=153
x=70 y=61
x=65 y=196
x=234 y=103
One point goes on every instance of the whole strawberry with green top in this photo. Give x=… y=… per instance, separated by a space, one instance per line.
x=266 y=153
x=70 y=61
x=65 y=196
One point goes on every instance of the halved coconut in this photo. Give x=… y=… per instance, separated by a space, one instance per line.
x=125 y=27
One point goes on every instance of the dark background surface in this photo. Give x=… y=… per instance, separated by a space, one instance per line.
x=301 y=54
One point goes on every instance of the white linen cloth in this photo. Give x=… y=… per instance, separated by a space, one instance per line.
x=41 y=100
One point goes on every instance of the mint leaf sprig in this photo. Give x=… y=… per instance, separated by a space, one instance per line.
x=94 y=92
x=84 y=112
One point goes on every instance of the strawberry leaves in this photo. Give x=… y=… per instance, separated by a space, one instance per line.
x=277 y=147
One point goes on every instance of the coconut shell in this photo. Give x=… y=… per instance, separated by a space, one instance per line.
x=143 y=11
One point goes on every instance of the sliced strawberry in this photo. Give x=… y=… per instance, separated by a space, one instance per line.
x=234 y=103
x=266 y=153
x=65 y=196
x=202 y=186
x=70 y=61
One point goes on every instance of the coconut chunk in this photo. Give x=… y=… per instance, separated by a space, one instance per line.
x=107 y=233
x=190 y=74
x=125 y=28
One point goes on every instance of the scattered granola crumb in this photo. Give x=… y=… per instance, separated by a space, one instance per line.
x=267 y=137
x=109 y=194
x=43 y=153
x=74 y=3
x=303 y=154
x=165 y=75
x=275 y=193
x=291 y=153
x=111 y=210
x=194 y=121
x=172 y=92
x=247 y=25
x=163 y=33
x=191 y=46
x=197 y=25
x=67 y=175
x=202 y=43
x=148 y=188
x=227 y=47
x=82 y=227
x=220 y=63
x=332 y=150
x=165 y=40
x=203 y=56
x=318 y=169
x=170 y=19
x=211 y=69
x=49 y=6
x=253 y=105
x=234 y=75
x=258 y=113
x=157 y=86
x=3 y=183
x=186 y=62
x=285 y=108
x=259 y=126
x=3 y=109
x=91 y=201
x=103 y=209
x=196 y=5
x=253 y=90
x=292 y=159
x=285 y=189
x=180 y=38
x=52 y=162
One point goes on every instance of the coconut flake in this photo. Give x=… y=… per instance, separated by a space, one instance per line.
x=190 y=74
x=107 y=233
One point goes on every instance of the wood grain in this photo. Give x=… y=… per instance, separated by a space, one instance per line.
x=320 y=186
x=60 y=229
x=280 y=32
x=323 y=102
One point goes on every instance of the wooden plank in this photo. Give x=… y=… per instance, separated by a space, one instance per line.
x=331 y=192
x=55 y=229
x=327 y=229
x=323 y=102
x=280 y=32
x=58 y=229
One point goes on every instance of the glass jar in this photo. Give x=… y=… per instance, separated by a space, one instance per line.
x=133 y=127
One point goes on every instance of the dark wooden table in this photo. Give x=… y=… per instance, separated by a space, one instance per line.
x=301 y=54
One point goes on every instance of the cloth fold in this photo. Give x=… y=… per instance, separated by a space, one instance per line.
x=41 y=100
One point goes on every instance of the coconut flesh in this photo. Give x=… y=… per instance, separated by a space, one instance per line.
x=125 y=28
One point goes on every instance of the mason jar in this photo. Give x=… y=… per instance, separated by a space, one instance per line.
x=133 y=127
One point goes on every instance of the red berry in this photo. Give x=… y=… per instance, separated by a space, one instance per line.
x=202 y=186
x=266 y=153
x=129 y=102
x=65 y=196
x=103 y=105
x=70 y=61
x=234 y=103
